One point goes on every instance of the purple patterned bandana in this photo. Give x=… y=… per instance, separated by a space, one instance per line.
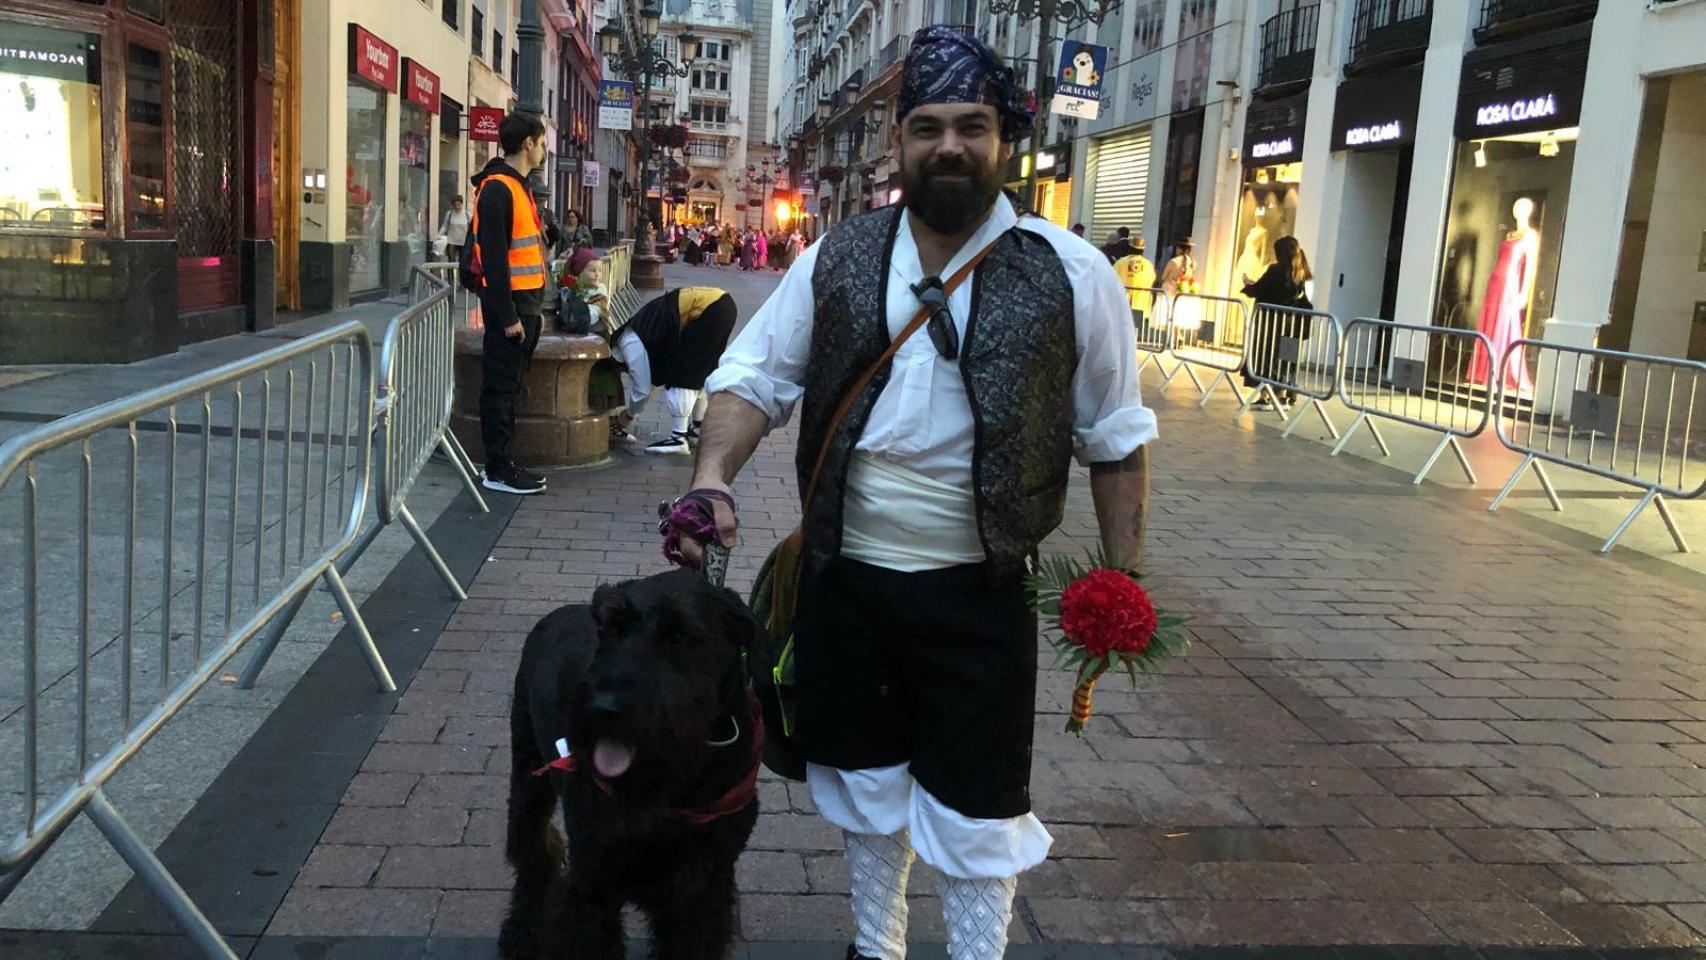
x=946 y=66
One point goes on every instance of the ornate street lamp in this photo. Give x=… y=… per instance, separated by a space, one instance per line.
x=635 y=58
x=1067 y=13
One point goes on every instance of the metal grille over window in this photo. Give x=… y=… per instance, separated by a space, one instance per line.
x=204 y=91
x=1120 y=170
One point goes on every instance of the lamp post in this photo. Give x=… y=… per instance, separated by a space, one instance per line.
x=1067 y=13
x=632 y=55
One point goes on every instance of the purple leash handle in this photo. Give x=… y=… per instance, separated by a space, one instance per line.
x=691 y=516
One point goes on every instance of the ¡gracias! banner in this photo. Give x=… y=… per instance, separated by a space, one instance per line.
x=1078 y=80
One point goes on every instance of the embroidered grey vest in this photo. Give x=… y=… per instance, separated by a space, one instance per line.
x=1017 y=360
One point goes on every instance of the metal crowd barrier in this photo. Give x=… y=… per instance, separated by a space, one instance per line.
x=625 y=300
x=1149 y=321
x=1296 y=351
x=1396 y=371
x=417 y=377
x=1208 y=331
x=253 y=475
x=1626 y=417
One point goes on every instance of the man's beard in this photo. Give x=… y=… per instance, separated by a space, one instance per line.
x=950 y=206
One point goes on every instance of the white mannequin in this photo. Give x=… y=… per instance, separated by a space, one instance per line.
x=1523 y=211
x=1253 y=262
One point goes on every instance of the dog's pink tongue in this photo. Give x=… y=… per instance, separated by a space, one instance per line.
x=612 y=759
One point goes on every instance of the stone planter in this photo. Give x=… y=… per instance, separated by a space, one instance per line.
x=557 y=426
x=648 y=271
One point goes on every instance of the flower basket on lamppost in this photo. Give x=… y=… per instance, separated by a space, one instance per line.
x=831 y=173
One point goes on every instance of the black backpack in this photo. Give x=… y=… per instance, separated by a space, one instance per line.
x=468 y=274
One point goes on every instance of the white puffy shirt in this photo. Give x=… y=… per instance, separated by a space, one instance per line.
x=922 y=420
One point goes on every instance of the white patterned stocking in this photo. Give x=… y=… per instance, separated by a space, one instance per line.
x=978 y=913
x=879 y=867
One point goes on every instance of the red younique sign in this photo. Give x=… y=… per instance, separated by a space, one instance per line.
x=483 y=123
x=372 y=59
x=420 y=85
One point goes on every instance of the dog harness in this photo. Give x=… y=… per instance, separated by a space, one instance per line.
x=734 y=801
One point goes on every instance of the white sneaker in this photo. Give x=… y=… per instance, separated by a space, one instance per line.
x=675 y=445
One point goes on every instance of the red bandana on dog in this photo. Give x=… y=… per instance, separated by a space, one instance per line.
x=734 y=801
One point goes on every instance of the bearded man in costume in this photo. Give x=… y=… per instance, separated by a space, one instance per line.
x=916 y=649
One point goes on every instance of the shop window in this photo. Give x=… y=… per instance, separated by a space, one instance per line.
x=414 y=162
x=154 y=10
x=1499 y=270
x=145 y=139
x=51 y=174
x=364 y=218
x=1267 y=211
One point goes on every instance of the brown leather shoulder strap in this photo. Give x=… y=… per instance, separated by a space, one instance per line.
x=859 y=385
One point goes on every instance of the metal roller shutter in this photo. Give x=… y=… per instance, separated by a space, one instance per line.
x=1119 y=170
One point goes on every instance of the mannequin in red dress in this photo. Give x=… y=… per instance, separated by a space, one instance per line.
x=1506 y=304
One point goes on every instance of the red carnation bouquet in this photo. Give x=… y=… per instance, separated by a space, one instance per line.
x=1101 y=620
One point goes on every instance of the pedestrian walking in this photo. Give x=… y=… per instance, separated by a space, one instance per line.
x=1286 y=283
x=455 y=229
x=915 y=648
x=672 y=342
x=575 y=233
x=1138 y=275
x=509 y=257
x=1180 y=271
x=1118 y=245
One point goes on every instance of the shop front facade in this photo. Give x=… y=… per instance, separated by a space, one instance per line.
x=379 y=162
x=127 y=124
x=1511 y=170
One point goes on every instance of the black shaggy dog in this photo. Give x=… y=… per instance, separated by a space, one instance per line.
x=646 y=691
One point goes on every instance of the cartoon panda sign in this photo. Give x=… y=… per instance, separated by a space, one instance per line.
x=1078 y=80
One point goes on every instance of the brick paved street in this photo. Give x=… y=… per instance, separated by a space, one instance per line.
x=1402 y=722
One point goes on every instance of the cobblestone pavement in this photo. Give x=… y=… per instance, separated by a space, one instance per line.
x=1402 y=721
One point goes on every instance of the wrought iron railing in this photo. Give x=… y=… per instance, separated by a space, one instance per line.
x=1288 y=45
x=710 y=149
x=1384 y=27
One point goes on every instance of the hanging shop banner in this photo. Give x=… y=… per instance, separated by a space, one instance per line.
x=372 y=59
x=1377 y=111
x=615 y=105
x=1273 y=130
x=483 y=123
x=420 y=85
x=1524 y=86
x=1078 y=80
x=592 y=174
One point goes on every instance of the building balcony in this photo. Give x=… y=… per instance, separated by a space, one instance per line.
x=893 y=52
x=705 y=93
x=1288 y=47
x=1389 y=32
x=1505 y=18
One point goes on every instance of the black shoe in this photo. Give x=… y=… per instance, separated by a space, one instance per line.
x=693 y=431
x=854 y=954
x=674 y=445
x=509 y=478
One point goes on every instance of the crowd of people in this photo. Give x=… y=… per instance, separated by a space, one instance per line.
x=725 y=245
